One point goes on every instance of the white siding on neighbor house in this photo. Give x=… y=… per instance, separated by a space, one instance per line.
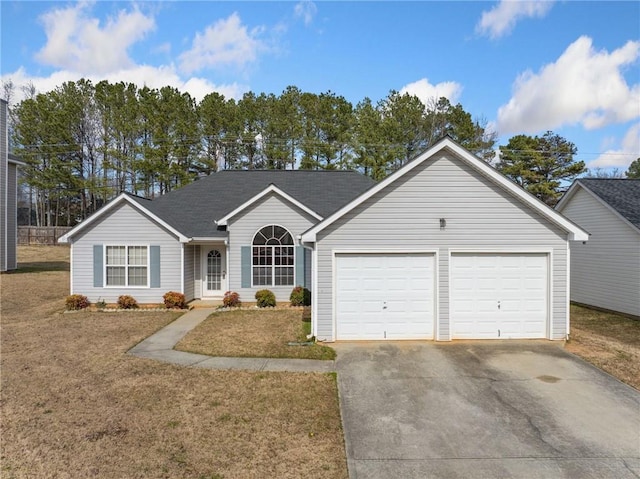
x=480 y=217
x=125 y=226
x=272 y=209
x=605 y=272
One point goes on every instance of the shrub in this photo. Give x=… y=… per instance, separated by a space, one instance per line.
x=231 y=299
x=173 y=299
x=101 y=303
x=76 y=302
x=127 y=302
x=265 y=298
x=300 y=296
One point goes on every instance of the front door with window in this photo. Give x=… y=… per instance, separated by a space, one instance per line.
x=215 y=272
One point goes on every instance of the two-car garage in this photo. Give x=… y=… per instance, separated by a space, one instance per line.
x=444 y=248
x=394 y=296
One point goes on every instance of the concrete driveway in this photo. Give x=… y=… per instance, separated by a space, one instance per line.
x=484 y=410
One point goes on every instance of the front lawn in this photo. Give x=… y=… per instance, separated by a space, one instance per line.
x=74 y=404
x=608 y=341
x=260 y=333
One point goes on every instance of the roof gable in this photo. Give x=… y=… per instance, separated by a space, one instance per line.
x=575 y=232
x=620 y=195
x=269 y=189
x=134 y=201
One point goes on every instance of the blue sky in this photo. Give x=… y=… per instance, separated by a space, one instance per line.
x=526 y=67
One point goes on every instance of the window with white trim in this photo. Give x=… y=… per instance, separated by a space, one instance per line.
x=272 y=257
x=127 y=266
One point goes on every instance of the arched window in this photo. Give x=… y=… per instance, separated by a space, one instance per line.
x=272 y=257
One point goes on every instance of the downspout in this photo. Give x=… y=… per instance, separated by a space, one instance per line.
x=182 y=268
x=226 y=261
x=568 y=293
x=314 y=282
x=71 y=268
x=314 y=293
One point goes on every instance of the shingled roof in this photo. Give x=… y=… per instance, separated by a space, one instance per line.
x=193 y=209
x=623 y=195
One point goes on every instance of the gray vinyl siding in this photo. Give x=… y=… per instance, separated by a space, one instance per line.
x=308 y=255
x=189 y=272
x=197 y=272
x=12 y=216
x=405 y=216
x=126 y=226
x=605 y=272
x=3 y=185
x=272 y=209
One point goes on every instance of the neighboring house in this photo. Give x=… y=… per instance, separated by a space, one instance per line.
x=444 y=248
x=8 y=197
x=605 y=272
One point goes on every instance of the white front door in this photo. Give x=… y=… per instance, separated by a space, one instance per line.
x=214 y=273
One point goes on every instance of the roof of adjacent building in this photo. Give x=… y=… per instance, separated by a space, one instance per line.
x=621 y=194
x=193 y=209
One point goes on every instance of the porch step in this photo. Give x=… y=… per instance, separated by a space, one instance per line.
x=205 y=303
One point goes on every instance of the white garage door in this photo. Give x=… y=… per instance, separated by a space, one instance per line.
x=499 y=296
x=384 y=296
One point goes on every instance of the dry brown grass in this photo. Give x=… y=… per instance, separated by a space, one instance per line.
x=263 y=333
x=608 y=341
x=73 y=404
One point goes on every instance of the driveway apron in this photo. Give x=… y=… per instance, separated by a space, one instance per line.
x=522 y=409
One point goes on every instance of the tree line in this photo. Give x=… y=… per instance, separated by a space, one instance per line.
x=86 y=143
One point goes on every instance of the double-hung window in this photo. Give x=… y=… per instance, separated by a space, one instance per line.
x=273 y=257
x=127 y=266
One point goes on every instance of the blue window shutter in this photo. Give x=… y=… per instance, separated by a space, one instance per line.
x=245 y=267
x=97 y=266
x=300 y=266
x=154 y=264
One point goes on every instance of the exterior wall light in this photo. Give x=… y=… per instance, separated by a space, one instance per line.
x=443 y=223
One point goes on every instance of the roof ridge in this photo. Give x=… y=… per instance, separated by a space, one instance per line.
x=287 y=171
x=137 y=196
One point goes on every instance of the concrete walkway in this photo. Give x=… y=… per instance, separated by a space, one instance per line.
x=159 y=346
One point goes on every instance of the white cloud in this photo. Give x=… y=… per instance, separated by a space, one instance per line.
x=153 y=77
x=77 y=41
x=426 y=92
x=622 y=156
x=80 y=46
x=306 y=10
x=502 y=18
x=583 y=86
x=226 y=42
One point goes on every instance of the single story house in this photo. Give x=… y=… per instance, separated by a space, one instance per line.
x=605 y=272
x=8 y=197
x=444 y=248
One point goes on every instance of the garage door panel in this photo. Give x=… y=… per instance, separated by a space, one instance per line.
x=499 y=295
x=397 y=296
